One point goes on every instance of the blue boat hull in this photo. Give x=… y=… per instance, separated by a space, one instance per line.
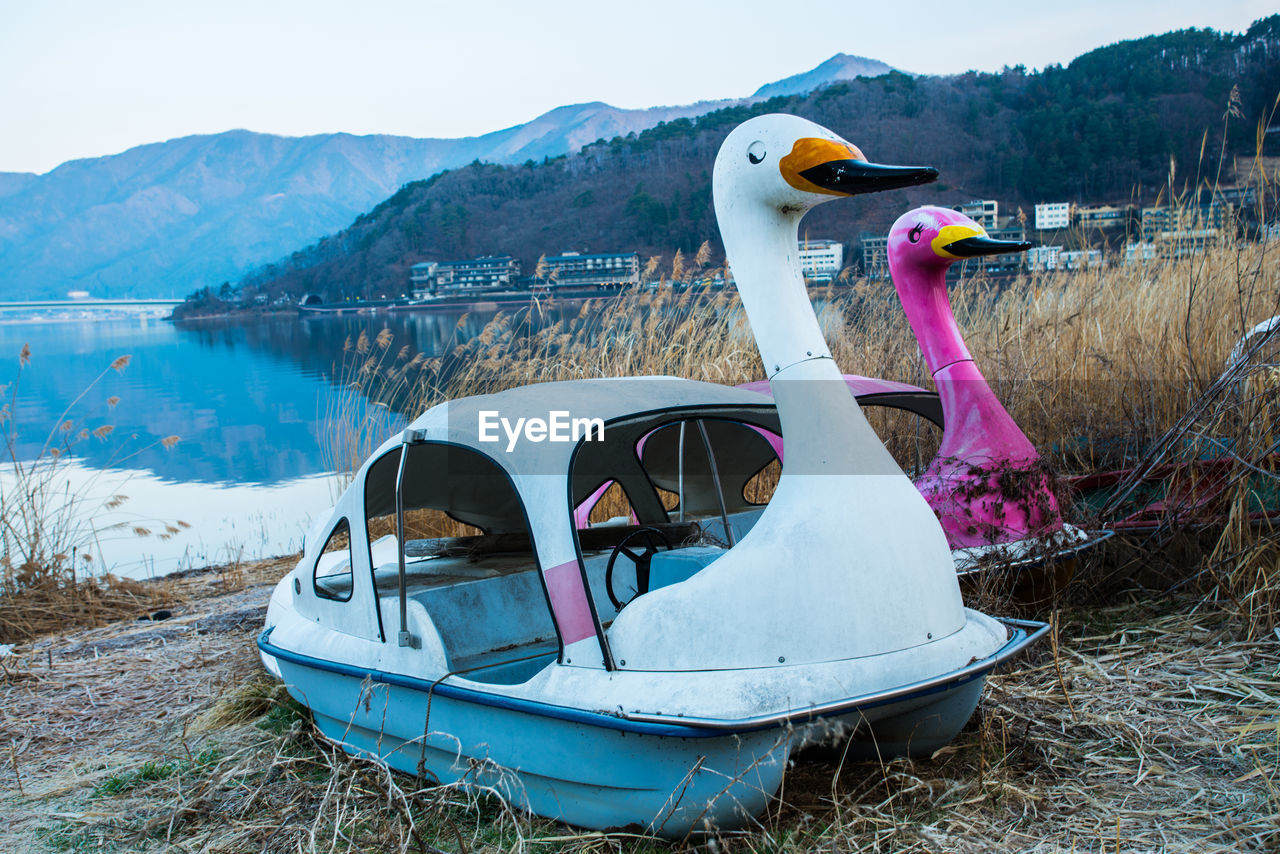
x=585 y=775
x=601 y=771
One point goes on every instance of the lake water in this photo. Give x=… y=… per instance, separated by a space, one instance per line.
x=250 y=401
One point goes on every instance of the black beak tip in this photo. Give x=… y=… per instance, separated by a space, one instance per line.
x=972 y=247
x=854 y=177
x=910 y=176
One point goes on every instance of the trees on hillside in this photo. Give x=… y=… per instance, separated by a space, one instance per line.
x=1091 y=131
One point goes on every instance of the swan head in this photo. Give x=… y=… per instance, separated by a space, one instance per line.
x=791 y=164
x=938 y=237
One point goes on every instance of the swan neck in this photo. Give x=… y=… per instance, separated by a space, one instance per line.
x=814 y=404
x=923 y=293
x=761 y=243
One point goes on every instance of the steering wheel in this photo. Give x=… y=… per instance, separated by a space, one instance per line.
x=640 y=560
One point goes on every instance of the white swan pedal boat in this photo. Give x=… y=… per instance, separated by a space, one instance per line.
x=657 y=674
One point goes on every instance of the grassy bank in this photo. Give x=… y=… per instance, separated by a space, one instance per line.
x=50 y=529
x=1141 y=729
x=1150 y=723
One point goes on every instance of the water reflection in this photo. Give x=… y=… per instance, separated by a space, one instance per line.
x=161 y=526
x=250 y=400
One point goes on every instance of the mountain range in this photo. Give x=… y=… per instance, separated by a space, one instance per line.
x=1133 y=121
x=169 y=218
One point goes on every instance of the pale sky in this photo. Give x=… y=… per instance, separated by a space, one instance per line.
x=82 y=79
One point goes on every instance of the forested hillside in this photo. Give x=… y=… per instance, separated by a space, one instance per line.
x=1103 y=128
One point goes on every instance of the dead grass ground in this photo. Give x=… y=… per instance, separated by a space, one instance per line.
x=1153 y=728
x=76 y=707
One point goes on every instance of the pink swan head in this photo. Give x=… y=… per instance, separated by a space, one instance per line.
x=933 y=237
x=923 y=243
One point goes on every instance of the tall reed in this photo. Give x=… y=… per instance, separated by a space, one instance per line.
x=49 y=525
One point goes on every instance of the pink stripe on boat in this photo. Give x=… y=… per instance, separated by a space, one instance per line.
x=569 y=602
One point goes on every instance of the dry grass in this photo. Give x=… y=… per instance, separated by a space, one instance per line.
x=48 y=529
x=1158 y=734
x=1139 y=730
x=47 y=604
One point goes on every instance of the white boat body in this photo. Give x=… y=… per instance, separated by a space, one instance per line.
x=670 y=747
x=832 y=612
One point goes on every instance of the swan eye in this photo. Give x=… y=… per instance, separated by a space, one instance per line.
x=914 y=234
x=755 y=152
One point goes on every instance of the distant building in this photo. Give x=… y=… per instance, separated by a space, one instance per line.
x=422 y=278
x=985 y=212
x=1043 y=257
x=474 y=275
x=1137 y=253
x=1080 y=259
x=1170 y=222
x=1103 y=216
x=1182 y=230
x=1053 y=215
x=821 y=260
x=1159 y=220
x=602 y=270
x=875 y=256
x=1239 y=196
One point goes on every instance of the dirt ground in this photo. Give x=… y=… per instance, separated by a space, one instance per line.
x=76 y=707
x=1139 y=730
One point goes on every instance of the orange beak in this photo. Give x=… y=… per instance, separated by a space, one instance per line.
x=832 y=168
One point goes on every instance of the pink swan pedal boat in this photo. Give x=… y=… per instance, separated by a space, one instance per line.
x=987 y=484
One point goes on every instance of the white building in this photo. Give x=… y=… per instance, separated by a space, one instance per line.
x=608 y=270
x=489 y=273
x=1080 y=259
x=821 y=260
x=1136 y=253
x=1043 y=257
x=422 y=279
x=1052 y=215
x=985 y=212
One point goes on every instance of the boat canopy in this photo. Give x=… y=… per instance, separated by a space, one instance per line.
x=460 y=421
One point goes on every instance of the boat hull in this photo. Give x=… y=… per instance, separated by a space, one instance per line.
x=585 y=775
x=606 y=771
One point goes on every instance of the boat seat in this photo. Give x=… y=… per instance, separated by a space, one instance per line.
x=442 y=571
x=680 y=564
x=509 y=665
x=590 y=539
